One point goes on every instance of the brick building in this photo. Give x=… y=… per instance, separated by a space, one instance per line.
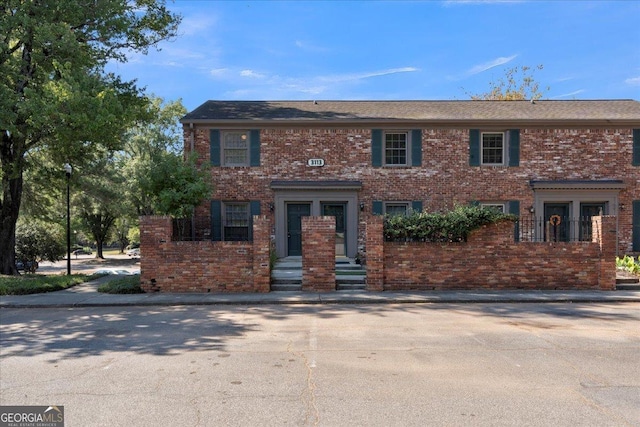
x=353 y=159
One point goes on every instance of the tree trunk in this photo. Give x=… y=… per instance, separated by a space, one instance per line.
x=9 y=210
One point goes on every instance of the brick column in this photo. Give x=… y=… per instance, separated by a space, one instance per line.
x=604 y=232
x=375 y=254
x=318 y=253
x=154 y=232
x=261 y=236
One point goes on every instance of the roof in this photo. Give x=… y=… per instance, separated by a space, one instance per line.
x=596 y=112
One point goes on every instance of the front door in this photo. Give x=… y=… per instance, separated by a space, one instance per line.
x=338 y=210
x=556 y=222
x=295 y=212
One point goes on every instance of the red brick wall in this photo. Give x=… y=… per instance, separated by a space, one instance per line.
x=490 y=259
x=202 y=266
x=445 y=177
x=374 y=262
x=318 y=253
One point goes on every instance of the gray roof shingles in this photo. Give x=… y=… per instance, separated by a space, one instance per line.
x=627 y=111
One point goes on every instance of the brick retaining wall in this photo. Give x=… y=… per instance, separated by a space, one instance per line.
x=318 y=253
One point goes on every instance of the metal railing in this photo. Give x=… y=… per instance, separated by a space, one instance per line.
x=554 y=229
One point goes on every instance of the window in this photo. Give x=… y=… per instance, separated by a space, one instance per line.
x=396 y=208
x=235 y=222
x=396 y=148
x=235 y=148
x=493 y=148
x=500 y=207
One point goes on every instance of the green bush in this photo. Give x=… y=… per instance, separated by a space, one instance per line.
x=629 y=264
x=37 y=283
x=452 y=226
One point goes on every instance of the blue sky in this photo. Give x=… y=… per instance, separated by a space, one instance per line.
x=378 y=50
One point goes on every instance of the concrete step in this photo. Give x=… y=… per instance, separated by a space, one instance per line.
x=627 y=286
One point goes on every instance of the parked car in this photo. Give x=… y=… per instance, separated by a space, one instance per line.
x=26 y=265
x=82 y=251
x=134 y=253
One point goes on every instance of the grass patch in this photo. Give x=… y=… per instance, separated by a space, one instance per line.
x=38 y=283
x=123 y=285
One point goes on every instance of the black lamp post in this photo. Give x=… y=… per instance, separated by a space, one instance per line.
x=68 y=169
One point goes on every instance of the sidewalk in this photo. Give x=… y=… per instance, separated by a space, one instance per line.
x=86 y=295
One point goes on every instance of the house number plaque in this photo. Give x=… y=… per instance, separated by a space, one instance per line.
x=315 y=162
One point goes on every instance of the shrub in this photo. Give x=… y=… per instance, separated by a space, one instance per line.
x=629 y=264
x=452 y=226
x=124 y=285
x=36 y=242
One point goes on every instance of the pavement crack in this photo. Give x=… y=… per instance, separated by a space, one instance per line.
x=308 y=394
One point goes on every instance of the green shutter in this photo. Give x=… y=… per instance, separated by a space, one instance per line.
x=416 y=147
x=377 y=208
x=474 y=147
x=514 y=147
x=376 y=147
x=254 y=148
x=636 y=225
x=416 y=205
x=214 y=142
x=216 y=220
x=514 y=207
x=636 y=148
x=254 y=209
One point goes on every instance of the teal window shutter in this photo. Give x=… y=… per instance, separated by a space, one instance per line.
x=254 y=147
x=636 y=148
x=514 y=147
x=214 y=142
x=416 y=205
x=514 y=207
x=636 y=226
x=376 y=147
x=474 y=147
x=254 y=209
x=416 y=147
x=216 y=220
x=377 y=208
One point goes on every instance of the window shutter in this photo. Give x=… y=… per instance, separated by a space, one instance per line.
x=376 y=147
x=514 y=208
x=416 y=147
x=636 y=147
x=514 y=147
x=377 y=208
x=636 y=226
x=254 y=148
x=416 y=205
x=474 y=147
x=216 y=220
x=214 y=142
x=254 y=209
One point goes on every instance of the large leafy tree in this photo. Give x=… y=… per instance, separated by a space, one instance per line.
x=55 y=96
x=518 y=83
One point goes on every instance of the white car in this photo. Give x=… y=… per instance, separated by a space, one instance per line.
x=134 y=253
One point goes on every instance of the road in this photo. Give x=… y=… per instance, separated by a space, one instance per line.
x=89 y=264
x=327 y=365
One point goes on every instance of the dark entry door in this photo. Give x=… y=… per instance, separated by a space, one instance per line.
x=337 y=210
x=588 y=210
x=295 y=212
x=556 y=217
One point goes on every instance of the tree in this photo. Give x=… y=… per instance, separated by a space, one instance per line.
x=37 y=242
x=517 y=84
x=55 y=96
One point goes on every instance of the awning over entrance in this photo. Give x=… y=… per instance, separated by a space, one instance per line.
x=316 y=185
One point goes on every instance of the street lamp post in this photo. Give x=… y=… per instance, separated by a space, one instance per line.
x=68 y=169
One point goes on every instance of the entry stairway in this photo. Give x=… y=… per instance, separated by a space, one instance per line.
x=287 y=275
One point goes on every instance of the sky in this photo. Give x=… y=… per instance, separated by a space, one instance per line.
x=390 y=50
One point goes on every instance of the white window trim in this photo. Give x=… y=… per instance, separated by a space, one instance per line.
x=408 y=148
x=501 y=205
x=223 y=160
x=505 y=148
x=407 y=206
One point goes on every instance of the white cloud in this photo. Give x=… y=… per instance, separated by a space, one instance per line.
x=365 y=75
x=489 y=65
x=633 y=81
x=304 y=45
x=218 y=72
x=569 y=95
x=251 y=74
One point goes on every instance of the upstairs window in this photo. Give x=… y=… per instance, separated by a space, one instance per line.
x=235 y=148
x=396 y=146
x=493 y=148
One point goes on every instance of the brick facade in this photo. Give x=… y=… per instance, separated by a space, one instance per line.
x=318 y=253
